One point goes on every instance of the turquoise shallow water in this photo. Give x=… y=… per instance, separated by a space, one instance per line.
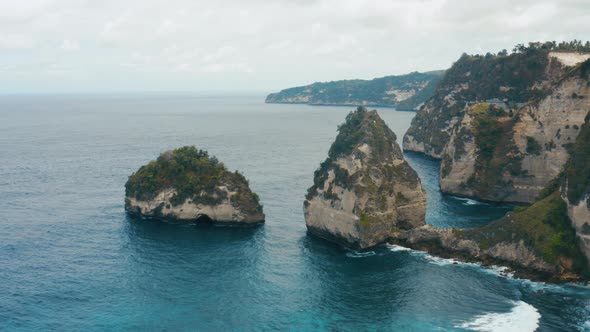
x=70 y=258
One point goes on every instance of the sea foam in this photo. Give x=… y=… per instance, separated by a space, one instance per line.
x=468 y=201
x=360 y=254
x=501 y=271
x=395 y=247
x=522 y=317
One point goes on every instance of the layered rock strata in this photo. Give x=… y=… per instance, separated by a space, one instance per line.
x=189 y=186
x=364 y=191
x=502 y=125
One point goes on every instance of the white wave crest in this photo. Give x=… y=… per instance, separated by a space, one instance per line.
x=586 y=325
x=501 y=271
x=523 y=317
x=359 y=254
x=469 y=201
x=445 y=261
x=395 y=247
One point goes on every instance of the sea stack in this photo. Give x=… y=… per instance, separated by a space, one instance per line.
x=189 y=186
x=364 y=192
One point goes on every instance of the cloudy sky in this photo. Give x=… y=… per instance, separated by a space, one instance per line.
x=237 y=45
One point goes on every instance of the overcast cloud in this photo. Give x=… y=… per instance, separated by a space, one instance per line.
x=153 y=45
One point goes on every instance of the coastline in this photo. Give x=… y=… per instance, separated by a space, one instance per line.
x=340 y=105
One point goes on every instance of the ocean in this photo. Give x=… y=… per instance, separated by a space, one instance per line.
x=72 y=260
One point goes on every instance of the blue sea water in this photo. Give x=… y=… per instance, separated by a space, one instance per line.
x=72 y=260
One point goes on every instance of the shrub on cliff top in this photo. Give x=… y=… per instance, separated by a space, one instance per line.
x=363 y=126
x=544 y=226
x=194 y=175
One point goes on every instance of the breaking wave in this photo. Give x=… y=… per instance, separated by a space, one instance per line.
x=501 y=271
x=360 y=254
x=468 y=201
x=523 y=317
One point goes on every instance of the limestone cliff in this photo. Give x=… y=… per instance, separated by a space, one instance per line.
x=404 y=92
x=536 y=242
x=188 y=185
x=502 y=124
x=548 y=240
x=575 y=186
x=579 y=213
x=364 y=191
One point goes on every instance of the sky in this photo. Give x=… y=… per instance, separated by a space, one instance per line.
x=56 y=46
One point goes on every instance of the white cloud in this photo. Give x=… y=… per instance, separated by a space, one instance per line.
x=14 y=42
x=228 y=67
x=255 y=44
x=69 y=45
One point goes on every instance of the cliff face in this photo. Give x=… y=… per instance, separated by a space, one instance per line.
x=502 y=124
x=450 y=243
x=575 y=186
x=405 y=92
x=225 y=211
x=580 y=215
x=187 y=185
x=537 y=242
x=364 y=191
x=548 y=240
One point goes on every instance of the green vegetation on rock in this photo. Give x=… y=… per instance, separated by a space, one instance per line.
x=367 y=220
x=488 y=131
x=577 y=170
x=354 y=132
x=564 y=46
x=485 y=74
x=544 y=227
x=497 y=153
x=532 y=146
x=194 y=175
x=509 y=79
x=363 y=127
x=364 y=191
x=405 y=92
